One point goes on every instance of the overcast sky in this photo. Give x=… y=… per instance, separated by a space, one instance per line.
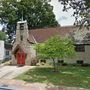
x=64 y=18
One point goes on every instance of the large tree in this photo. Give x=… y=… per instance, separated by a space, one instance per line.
x=38 y=13
x=56 y=48
x=81 y=10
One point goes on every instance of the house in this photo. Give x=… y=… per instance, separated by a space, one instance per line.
x=5 y=51
x=8 y=51
x=23 y=48
x=1 y=50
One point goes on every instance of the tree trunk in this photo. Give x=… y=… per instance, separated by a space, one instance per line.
x=54 y=64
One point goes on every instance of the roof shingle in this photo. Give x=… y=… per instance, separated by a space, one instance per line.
x=41 y=35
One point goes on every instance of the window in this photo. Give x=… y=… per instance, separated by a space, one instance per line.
x=21 y=37
x=44 y=61
x=60 y=61
x=80 y=62
x=7 y=52
x=22 y=26
x=80 y=48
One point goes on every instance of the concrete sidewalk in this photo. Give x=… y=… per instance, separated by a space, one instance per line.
x=9 y=72
x=21 y=85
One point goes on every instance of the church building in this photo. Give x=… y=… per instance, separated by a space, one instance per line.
x=24 y=53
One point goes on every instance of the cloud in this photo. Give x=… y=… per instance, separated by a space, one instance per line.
x=63 y=18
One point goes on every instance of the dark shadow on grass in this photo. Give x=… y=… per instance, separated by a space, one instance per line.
x=41 y=75
x=68 y=76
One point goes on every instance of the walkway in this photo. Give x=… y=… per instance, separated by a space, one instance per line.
x=21 y=85
x=9 y=72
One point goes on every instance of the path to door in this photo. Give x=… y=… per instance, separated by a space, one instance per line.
x=9 y=72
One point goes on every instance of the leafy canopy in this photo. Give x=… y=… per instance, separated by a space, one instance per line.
x=81 y=11
x=56 y=47
x=38 y=14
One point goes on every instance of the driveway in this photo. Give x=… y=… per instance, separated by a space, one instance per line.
x=10 y=72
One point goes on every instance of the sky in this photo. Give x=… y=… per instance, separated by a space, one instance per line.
x=63 y=18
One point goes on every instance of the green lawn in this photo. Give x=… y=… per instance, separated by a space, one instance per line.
x=67 y=76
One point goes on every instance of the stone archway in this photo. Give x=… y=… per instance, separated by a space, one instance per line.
x=19 y=55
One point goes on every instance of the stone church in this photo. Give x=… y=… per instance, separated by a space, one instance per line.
x=24 y=53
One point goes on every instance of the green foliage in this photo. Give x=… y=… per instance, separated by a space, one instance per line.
x=38 y=13
x=2 y=35
x=56 y=48
x=40 y=48
x=87 y=3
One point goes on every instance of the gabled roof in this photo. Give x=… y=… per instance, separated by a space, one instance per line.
x=31 y=39
x=41 y=35
x=18 y=47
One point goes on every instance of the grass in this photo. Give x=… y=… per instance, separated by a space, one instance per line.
x=67 y=76
x=7 y=62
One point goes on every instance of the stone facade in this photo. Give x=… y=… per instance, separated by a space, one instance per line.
x=27 y=39
x=22 y=40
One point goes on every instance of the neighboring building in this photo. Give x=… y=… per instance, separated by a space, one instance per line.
x=2 y=54
x=23 y=48
x=5 y=51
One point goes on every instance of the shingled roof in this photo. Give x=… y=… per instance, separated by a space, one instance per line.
x=41 y=35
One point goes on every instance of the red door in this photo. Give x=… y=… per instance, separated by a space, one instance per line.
x=20 y=58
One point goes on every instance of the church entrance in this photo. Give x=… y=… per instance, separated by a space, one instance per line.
x=20 y=56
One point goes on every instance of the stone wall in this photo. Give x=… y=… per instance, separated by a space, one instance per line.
x=24 y=44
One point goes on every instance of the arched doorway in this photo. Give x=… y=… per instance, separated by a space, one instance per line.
x=20 y=56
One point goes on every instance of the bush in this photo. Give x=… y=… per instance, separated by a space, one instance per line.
x=7 y=63
x=85 y=65
x=38 y=64
x=33 y=62
x=64 y=64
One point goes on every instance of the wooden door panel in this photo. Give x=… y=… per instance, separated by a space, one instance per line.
x=21 y=58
